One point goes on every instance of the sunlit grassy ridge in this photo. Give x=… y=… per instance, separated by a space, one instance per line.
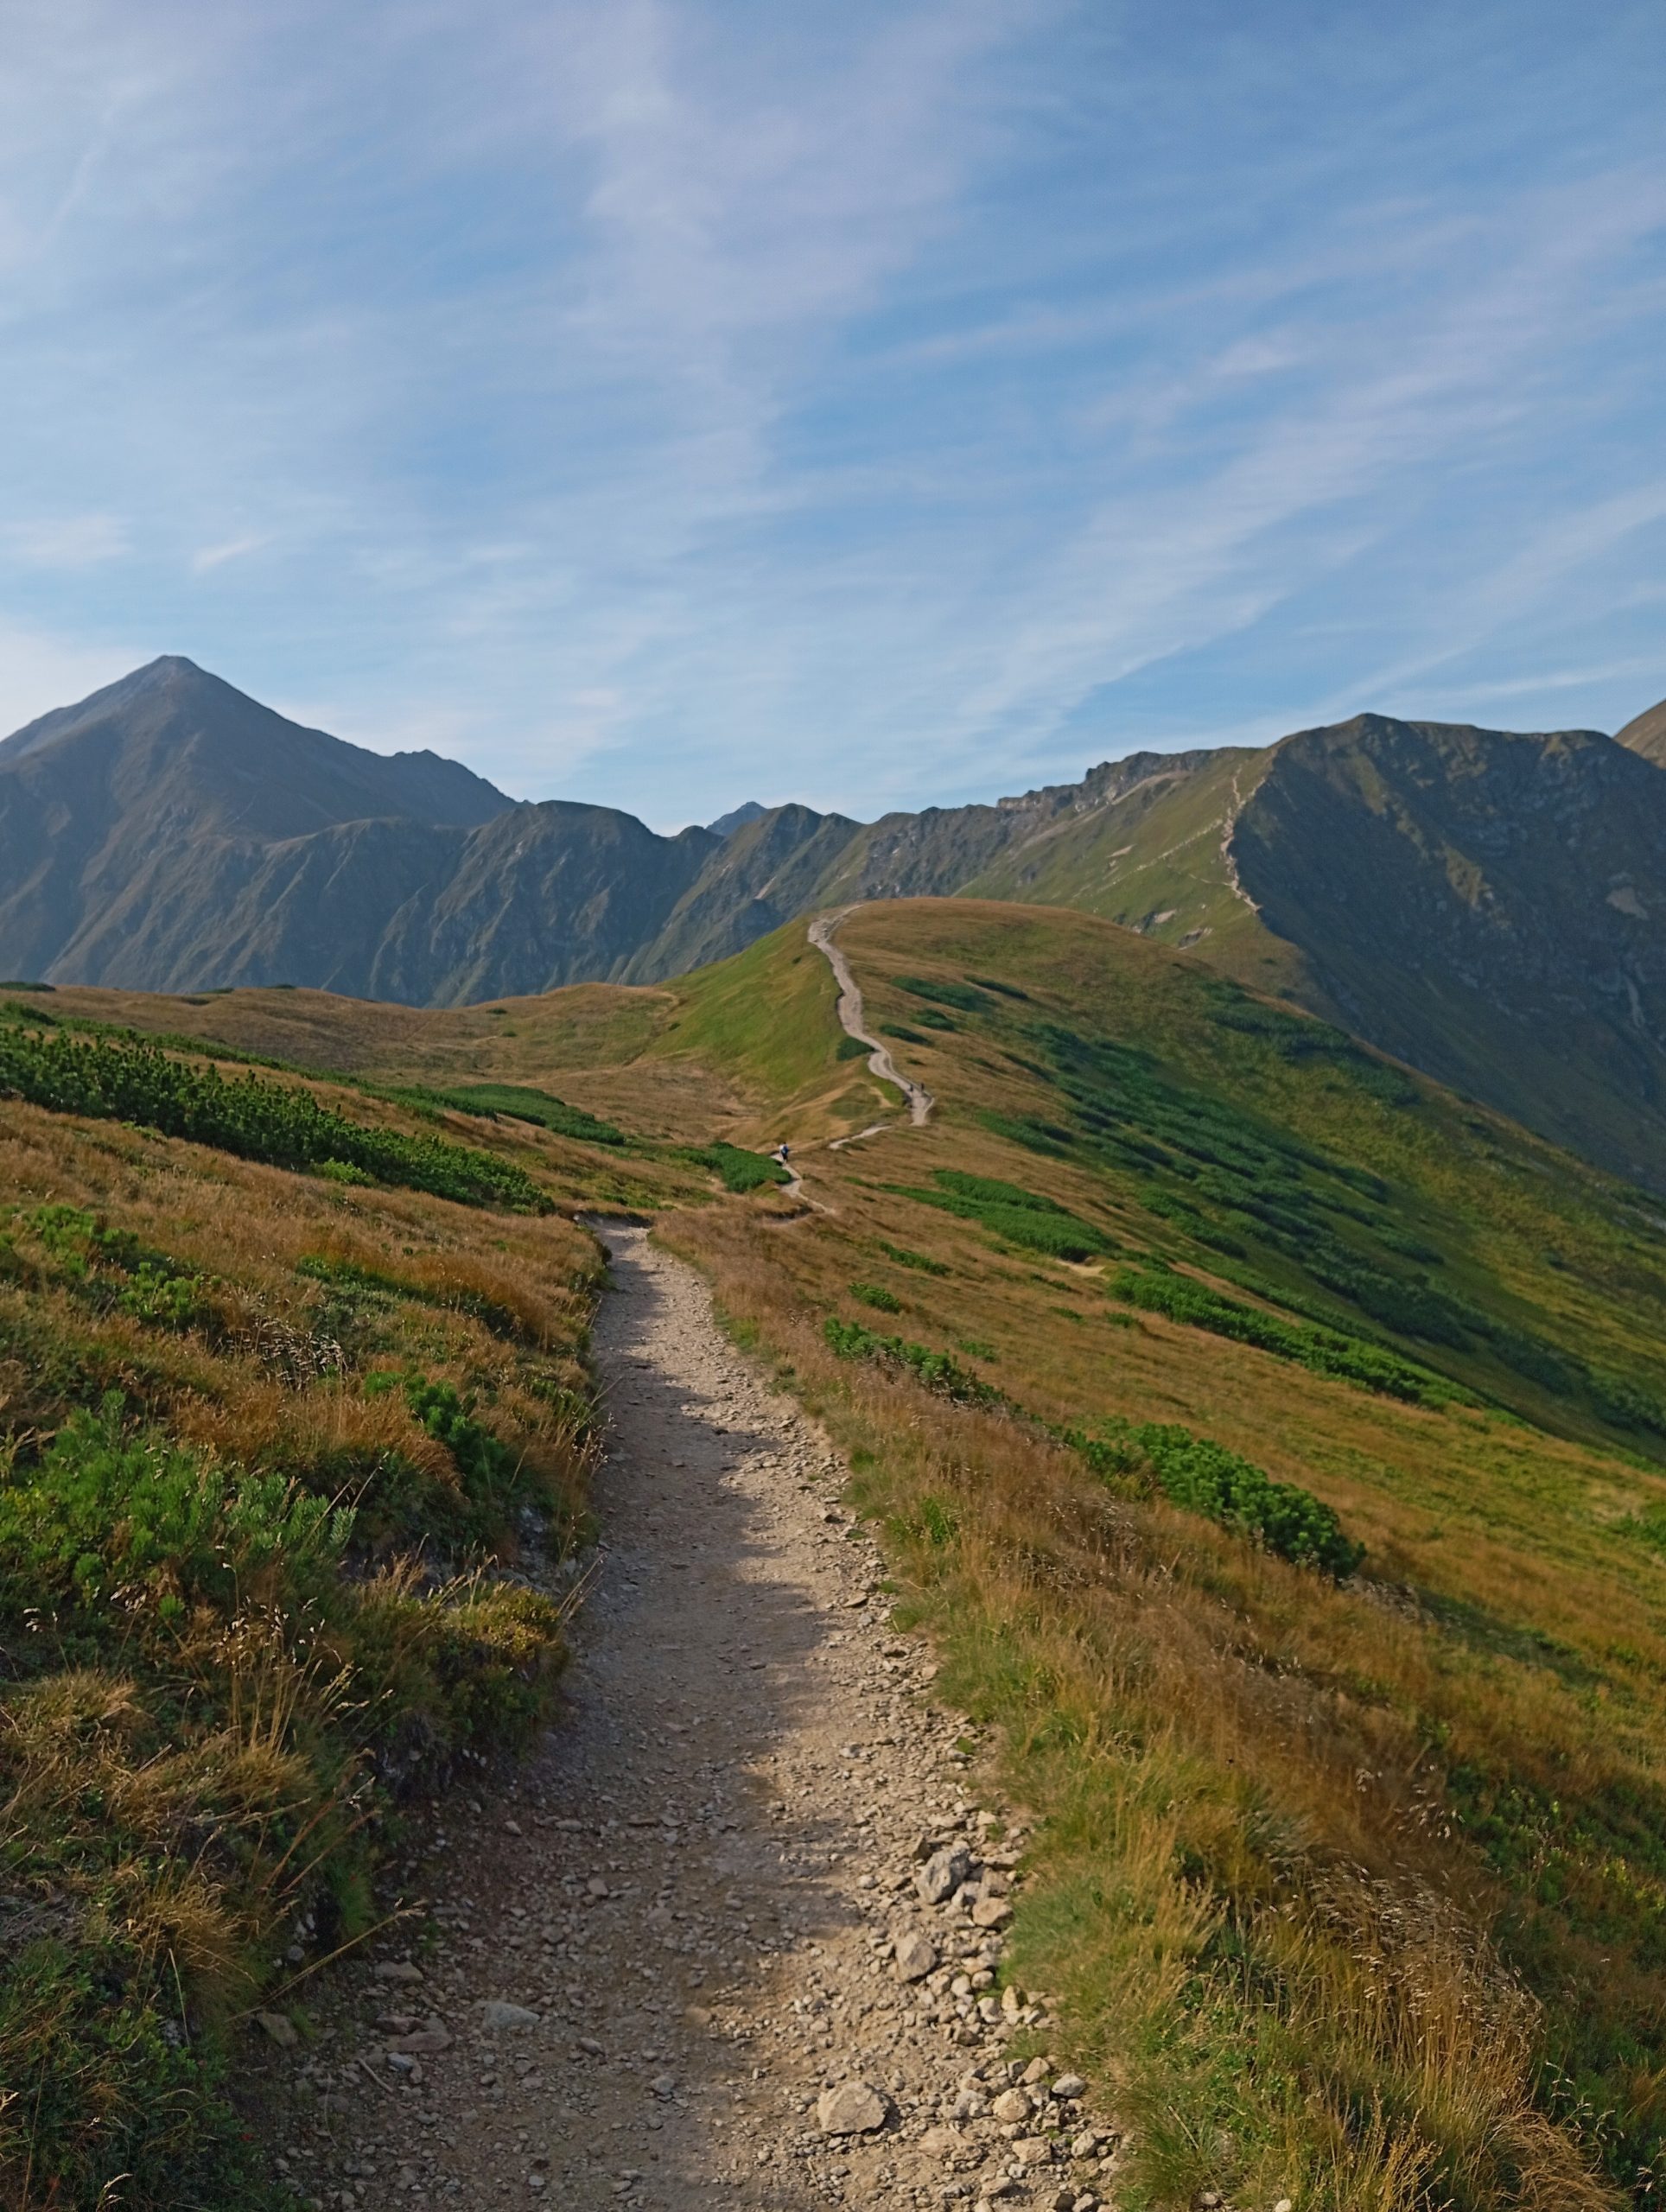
x=1258 y=1784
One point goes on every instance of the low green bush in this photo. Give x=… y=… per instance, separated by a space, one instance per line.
x=738 y=1169
x=1206 y=1478
x=1326 y=1352
x=1018 y=1216
x=109 y=1080
x=110 y=1267
x=918 y=1260
x=964 y=996
x=876 y=1295
x=112 y=1516
x=521 y=1103
x=210 y=1705
x=938 y=1370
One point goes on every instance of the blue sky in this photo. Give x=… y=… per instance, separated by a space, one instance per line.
x=669 y=402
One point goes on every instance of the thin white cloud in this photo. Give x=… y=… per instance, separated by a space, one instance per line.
x=208 y=558
x=67 y=542
x=635 y=394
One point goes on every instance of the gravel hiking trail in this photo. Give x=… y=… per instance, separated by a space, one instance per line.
x=732 y=1937
x=851 y=1020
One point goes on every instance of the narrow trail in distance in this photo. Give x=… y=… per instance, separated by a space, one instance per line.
x=851 y=1020
x=731 y=1938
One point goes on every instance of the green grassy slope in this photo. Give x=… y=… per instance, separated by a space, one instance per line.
x=1156 y=859
x=1218 y=1244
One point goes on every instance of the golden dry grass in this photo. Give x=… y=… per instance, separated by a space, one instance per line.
x=197 y=1752
x=1262 y=1931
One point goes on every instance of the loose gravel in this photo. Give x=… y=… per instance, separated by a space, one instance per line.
x=733 y=1937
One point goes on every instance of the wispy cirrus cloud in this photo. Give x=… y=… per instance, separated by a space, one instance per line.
x=663 y=402
x=71 y=541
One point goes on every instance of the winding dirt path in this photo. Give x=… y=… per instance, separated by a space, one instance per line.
x=851 y=1020
x=732 y=1939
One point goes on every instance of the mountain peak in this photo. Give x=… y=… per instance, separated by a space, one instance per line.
x=737 y=818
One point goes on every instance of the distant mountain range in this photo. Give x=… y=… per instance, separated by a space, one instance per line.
x=1488 y=906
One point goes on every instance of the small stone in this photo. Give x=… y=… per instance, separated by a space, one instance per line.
x=1036 y=2071
x=1284 y=2205
x=991 y=1912
x=423 y=2043
x=663 y=2085
x=1012 y=2001
x=597 y=1886
x=1032 y=2151
x=1065 y=2201
x=1070 y=2085
x=1010 y=2106
x=943 y=1873
x=917 y=1957
x=1085 y=2145
x=396 y=1970
x=853 y=2108
x=281 y=2028
x=495 y=2012
x=942 y=2143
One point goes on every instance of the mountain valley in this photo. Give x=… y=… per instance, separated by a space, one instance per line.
x=1482 y=904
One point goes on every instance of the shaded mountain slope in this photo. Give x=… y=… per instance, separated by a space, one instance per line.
x=1485 y=905
x=132 y=824
x=769 y=869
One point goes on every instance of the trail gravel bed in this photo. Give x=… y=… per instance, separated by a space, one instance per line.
x=853 y=1021
x=733 y=1937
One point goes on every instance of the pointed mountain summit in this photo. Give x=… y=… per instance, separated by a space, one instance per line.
x=737 y=818
x=207 y=751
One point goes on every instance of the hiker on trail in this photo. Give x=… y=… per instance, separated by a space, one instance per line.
x=783 y=1153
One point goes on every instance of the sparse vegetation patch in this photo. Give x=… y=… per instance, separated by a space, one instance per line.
x=1016 y=1216
x=254 y=1120
x=1326 y=1352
